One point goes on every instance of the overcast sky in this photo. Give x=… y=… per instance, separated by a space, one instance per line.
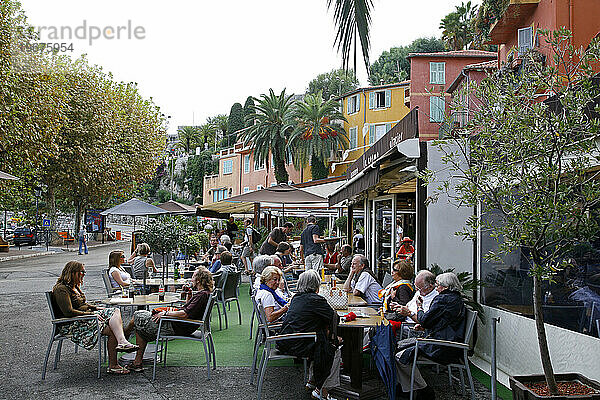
x=196 y=58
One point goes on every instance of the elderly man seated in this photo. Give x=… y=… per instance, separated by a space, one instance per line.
x=361 y=281
x=445 y=320
x=425 y=285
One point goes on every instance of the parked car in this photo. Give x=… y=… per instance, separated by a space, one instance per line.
x=25 y=235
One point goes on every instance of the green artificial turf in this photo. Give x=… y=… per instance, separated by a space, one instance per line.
x=233 y=347
x=502 y=391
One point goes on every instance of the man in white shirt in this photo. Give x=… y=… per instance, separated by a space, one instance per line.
x=425 y=285
x=361 y=282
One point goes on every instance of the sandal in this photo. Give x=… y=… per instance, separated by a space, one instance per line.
x=118 y=371
x=135 y=368
x=310 y=386
x=316 y=394
x=127 y=348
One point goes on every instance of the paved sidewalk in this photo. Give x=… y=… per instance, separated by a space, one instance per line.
x=16 y=253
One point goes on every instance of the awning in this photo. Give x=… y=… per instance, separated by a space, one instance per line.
x=134 y=207
x=174 y=207
x=514 y=17
x=364 y=172
x=281 y=193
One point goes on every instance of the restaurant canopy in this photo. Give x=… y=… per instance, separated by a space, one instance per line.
x=4 y=175
x=134 y=207
x=174 y=207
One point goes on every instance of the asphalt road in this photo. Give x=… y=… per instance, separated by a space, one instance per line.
x=24 y=336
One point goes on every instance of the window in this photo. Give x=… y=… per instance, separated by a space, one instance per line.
x=376 y=131
x=246 y=189
x=353 y=137
x=227 y=166
x=246 y=163
x=259 y=167
x=437 y=73
x=437 y=108
x=525 y=40
x=380 y=99
x=353 y=104
x=220 y=194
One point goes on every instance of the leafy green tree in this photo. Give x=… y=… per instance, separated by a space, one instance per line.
x=393 y=66
x=315 y=134
x=456 y=28
x=206 y=135
x=352 y=18
x=530 y=166
x=197 y=168
x=489 y=12
x=235 y=122
x=333 y=83
x=248 y=111
x=271 y=130
x=164 y=235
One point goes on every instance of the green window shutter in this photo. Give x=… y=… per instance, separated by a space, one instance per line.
x=348 y=105
x=432 y=72
x=371 y=100
x=442 y=73
x=388 y=127
x=358 y=102
x=436 y=109
x=372 y=133
x=388 y=98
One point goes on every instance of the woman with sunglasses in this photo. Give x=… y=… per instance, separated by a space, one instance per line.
x=71 y=302
x=118 y=276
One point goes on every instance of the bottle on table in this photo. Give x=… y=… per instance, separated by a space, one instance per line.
x=161 y=292
x=333 y=281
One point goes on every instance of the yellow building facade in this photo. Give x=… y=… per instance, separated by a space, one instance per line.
x=370 y=112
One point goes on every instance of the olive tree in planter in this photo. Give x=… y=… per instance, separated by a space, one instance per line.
x=164 y=235
x=528 y=155
x=193 y=243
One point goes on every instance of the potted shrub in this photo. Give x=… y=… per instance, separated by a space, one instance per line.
x=163 y=234
x=528 y=163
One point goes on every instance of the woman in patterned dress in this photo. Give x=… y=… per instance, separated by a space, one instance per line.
x=71 y=302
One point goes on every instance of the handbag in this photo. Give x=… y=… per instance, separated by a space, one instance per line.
x=337 y=298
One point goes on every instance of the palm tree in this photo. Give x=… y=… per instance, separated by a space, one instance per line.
x=317 y=133
x=206 y=133
x=271 y=130
x=219 y=122
x=187 y=136
x=456 y=26
x=352 y=17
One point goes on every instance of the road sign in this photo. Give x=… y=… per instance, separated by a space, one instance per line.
x=46 y=223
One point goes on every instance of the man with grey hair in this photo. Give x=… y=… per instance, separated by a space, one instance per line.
x=311 y=251
x=361 y=281
x=425 y=285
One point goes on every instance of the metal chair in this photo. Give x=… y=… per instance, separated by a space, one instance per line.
x=387 y=279
x=462 y=363
x=56 y=337
x=229 y=293
x=260 y=336
x=203 y=333
x=110 y=290
x=270 y=351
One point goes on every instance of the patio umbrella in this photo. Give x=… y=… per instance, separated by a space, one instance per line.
x=4 y=175
x=176 y=208
x=383 y=347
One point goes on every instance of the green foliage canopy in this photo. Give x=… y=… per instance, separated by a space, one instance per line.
x=333 y=83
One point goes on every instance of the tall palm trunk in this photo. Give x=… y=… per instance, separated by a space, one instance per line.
x=281 y=174
x=541 y=336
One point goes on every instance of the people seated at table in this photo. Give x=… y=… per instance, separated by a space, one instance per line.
x=445 y=320
x=400 y=291
x=71 y=302
x=226 y=262
x=216 y=264
x=145 y=322
x=261 y=262
x=142 y=262
x=283 y=251
x=310 y=312
x=344 y=263
x=210 y=253
x=406 y=250
x=270 y=293
x=277 y=235
x=226 y=241
x=117 y=274
x=425 y=285
x=331 y=256
x=361 y=280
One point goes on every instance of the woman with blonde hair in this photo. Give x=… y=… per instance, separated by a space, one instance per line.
x=71 y=302
x=269 y=293
x=118 y=276
x=146 y=323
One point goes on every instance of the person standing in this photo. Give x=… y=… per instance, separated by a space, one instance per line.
x=249 y=245
x=231 y=227
x=311 y=251
x=82 y=239
x=277 y=235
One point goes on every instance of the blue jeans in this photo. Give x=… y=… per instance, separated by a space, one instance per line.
x=82 y=242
